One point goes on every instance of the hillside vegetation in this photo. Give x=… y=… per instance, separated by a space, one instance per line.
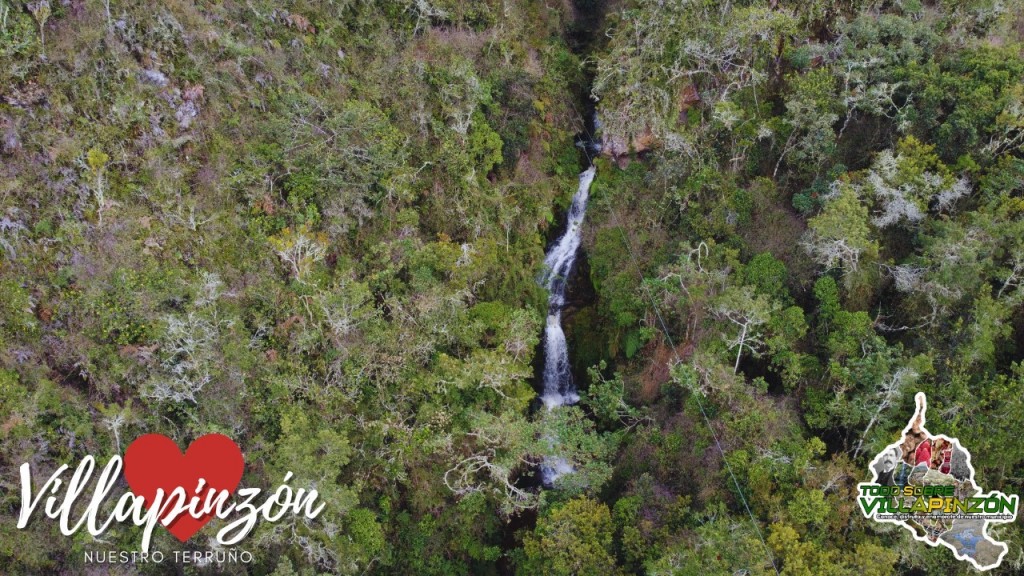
x=318 y=227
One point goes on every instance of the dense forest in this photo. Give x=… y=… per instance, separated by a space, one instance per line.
x=318 y=228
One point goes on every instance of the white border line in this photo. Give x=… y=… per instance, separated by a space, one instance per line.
x=922 y=407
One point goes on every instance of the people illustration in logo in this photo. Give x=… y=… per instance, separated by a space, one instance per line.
x=942 y=459
x=935 y=482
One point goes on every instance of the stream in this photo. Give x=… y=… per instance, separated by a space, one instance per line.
x=558 y=386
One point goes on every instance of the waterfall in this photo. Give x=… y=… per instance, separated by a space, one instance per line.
x=559 y=389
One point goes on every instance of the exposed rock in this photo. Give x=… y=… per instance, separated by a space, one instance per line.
x=688 y=97
x=188 y=110
x=154 y=77
x=613 y=146
x=11 y=141
x=300 y=23
x=619 y=149
x=643 y=141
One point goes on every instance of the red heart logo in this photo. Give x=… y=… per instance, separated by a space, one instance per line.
x=154 y=461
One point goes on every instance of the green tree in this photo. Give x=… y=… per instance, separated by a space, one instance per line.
x=572 y=539
x=840 y=236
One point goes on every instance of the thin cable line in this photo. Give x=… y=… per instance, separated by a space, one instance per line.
x=664 y=328
x=696 y=396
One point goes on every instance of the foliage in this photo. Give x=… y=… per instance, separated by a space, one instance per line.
x=318 y=227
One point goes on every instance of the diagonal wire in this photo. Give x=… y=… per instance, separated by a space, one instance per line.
x=696 y=395
x=590 y=139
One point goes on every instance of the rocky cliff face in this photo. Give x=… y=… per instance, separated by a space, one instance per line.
x=619 y=147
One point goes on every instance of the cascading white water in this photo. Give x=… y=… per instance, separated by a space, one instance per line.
x=559 y=389
x=558 y=386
